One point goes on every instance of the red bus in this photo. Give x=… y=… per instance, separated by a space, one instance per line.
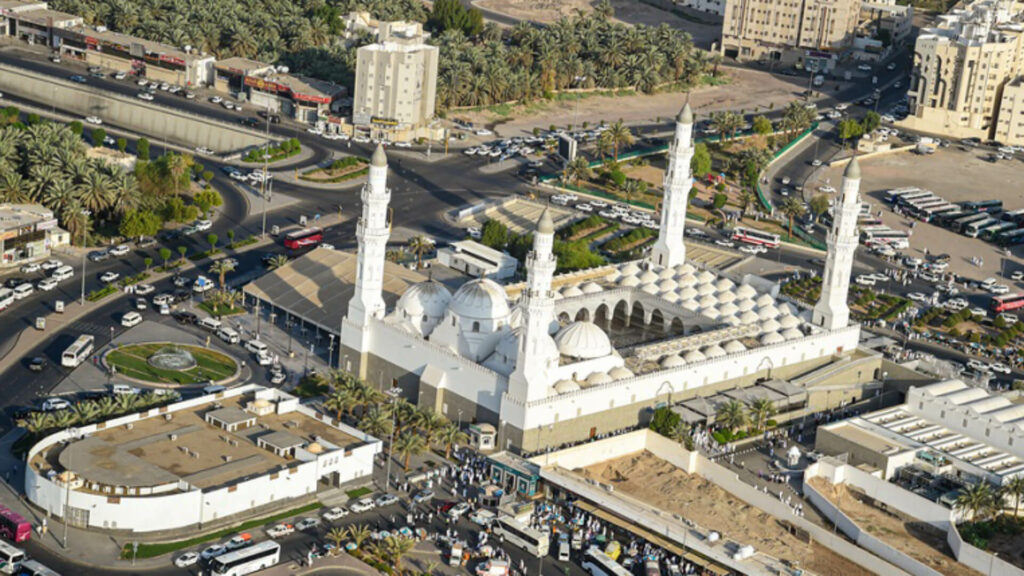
x=1007 y=302
x=304 y=238
x=13 y=526
x=751 y=236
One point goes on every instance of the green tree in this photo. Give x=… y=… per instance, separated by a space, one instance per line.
x=618 y=135
x=221 y=268
x=701 y=161
x=206 y=199
x=761 y=410
x=231 y=236
x=165 y=255
x=978 y=500
x=148 y=262
x=277 y=261
x=77 y=128
x=407 y=445
x=420 y=245
x=122 y=144
x=98 y=134
x=211 y=239
x=578 y=169
x=664 y=421
x=208 y=175
x=450 y=436
x=732 y=415
x=1013 y=490
x=819 y=204
x=495 y=235
x=727 y=123
x=719 y=201
x=871 y=121
x=792 y=209
x=182 y=250
x=849 y=129
x=762 y=125
x=139 y=223
x=142 y=149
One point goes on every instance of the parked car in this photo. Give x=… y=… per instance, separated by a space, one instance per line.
x=187 y=559
x=281 y=530
x=47 y=284
x=364 y=505
x=386 y=500
x=93 y=119
x=241 y=541
x=37 y=364
x=307 y=524
x=143 y=289
x=211 y=552
x=131 y=319
x=120 y=250
x=108 y=277
x=55 y=404
x=335 y=513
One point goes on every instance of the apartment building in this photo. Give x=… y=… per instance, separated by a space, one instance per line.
x=396 y=80
x=966 y=73
x=814 y=32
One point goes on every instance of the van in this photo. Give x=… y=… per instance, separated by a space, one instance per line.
x=123 y=389
x=563 y=550
x=256 y=347
x=210 y=323
x=23 y=290
x=228 y=335
x=63 y=273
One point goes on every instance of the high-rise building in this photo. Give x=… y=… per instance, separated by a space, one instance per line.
x=789 y=30
x=396 y=79
x=831 y=312
x=669 y=250
x=964 y=73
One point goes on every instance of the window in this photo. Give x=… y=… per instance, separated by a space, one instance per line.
x=476 y=326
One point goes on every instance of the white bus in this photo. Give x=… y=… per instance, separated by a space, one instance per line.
x=527 y=538
x=247 y=560
x=33 y=568
x=10 y=558
x=974 y=228
x=751 y=236
x=78 y=351
x=598 y=563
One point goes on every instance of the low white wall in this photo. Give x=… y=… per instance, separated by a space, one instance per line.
x=979 y=559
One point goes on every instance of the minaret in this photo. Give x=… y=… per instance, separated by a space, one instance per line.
x=669 y=250
x=831 y=312
x=372 y=234
x=537 y=351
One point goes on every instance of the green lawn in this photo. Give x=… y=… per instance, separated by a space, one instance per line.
x=132 y=362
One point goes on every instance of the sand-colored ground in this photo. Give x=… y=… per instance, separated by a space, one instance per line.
x=659 y=483
x=916 y=539
x=749 y=90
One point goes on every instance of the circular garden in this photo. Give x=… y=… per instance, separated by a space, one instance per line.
x=168 y=363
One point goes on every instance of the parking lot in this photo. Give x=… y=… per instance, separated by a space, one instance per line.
x=519 y=215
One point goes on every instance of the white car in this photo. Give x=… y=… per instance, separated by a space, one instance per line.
x=360 y=139
x=584 y=207
x=335 y=513
x=307 y=523
x=203 y=225
x=109 y=277
x=204 y=150
x=917 y=297
x=999 y=289
x=816 y=162
x=865 y=280
x=144 y=96
x=978 y=311
x=483 y=132
x=120 y=250
x=142 y=82
x=31 y=267
x=93 y=120
x=474 y=232
x=403 y=144
x=1017 y=275
x=753 y=250
x=51 y=264
x=211 y=552
x=143 y=289
x=977 y=365
x=55 y=404
x=386 y=500
x=364 y=505
x=725 y=243
x=999 y=367
x=842 y=106
x=864 y=68
x=202 y=284
x=163 y=299
x=264 y=359
x=316 y=131
x=187 y=559
x=131 y=319
x=216 y=99
x=280 y=531
x=47 y=284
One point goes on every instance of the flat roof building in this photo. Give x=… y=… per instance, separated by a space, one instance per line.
x=268 y=87
x=475 y=259
x=28 y=232
x=812 y=31
x=197 y=460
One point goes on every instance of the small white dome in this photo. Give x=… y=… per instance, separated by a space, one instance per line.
x=591 y=288
x=672 y=361
x=705 y=289
x=694 y=356
x=650 y=288
x=727 y=309
x=749 y=317
x=764 y=300
x=724 y=284
x=772 y=338
x=710 y=312
x=734 y=346
x=482 y=298
x=688 y=293
x=596 y=378
x=620 y=372
x=687 y=279
x=789 y=321
x=730 y=320
x=792 y=333
x=726 y=296
x=629 y=281
x=770 y=325
x=714 y=351
x=708 y=301
x=613 y=276
x=691 y=305
x=583 y=340
x=705 y=276
x=571 y=291
x=746 y=304
x=566 y=386
x=647 y=276
x=629 y=269
x=667 y=285
x=685 y=268
x=667 y=273
x=766 y=312
x=746 y=291
x=428 y=298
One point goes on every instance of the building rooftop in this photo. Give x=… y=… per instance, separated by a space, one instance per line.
x=17 y=216
x=243 y=65
x=230 y=415
x=319 y=285
x=45 y=16
x=150 y=46
x=20 y=5
x=281 y=440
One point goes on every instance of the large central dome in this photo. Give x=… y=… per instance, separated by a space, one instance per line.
x=428 y=298
x=480 y=299
x=583 y=340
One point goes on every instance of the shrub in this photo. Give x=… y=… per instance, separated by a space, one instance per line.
x=719 y=201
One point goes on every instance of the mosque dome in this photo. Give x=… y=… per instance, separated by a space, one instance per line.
x=727 y=309
x=770 y=325
x=428 y=298
x=583 y=340
x=746 y=291
x=724 y=284
x=694 y=356
x=480 y=299
x=691 y=305
x=705 y=277
x=746 y=304
x=651 y=288
x=667 y=285
x=566 y=386
x=571 y=291
x=734 y=346
x=726 y=296
x=672 y=361
x=688 y=293
x=629 y=269
x=772 y=338
x=730 y=320
x=705 y=289
x=789 y=321
x=687 y=279
x=764 y=300
x=591 y=288
x=596 y=378
x=629 y=281
x=620 y=372
x=648 y=276
x=792 y=333
x=714 y=351
x=748 y=317
x=766 y=312
x=667 y=273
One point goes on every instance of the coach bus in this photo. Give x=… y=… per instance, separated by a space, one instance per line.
x=960 y=223
x=1011 y=237
x=13 y=526
x=598 y=563
x=10 y=558
x=1006 y=303
x=305 y=238
x=992 y=231
x=990 y=206
x=34 y=568
x=974 y=228
x=895 y=194
x=78 y=351
x=247 y=560
x=751 y=236
x=524 y=537
x=1015 y=216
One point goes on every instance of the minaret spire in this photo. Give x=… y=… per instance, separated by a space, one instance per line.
x=831 y=312
x=372 y=233
x=669 y=249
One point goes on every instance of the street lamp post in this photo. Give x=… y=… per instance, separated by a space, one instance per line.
x=391 y=439
x=85 y=226
x=266 y=176
x=330 y=352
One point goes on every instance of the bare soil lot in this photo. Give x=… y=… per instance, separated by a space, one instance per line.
x=916 y=539
x=659 y=483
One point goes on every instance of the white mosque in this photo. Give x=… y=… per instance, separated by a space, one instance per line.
x=537 y=359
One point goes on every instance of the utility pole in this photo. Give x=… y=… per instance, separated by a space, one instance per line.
x=85 y=226
x=266 y=176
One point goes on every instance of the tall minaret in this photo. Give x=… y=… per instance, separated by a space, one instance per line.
x=537 y=351
x=372 y=233
x=669 y=250
x=831 y=311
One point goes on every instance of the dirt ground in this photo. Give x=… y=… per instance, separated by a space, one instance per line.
x=659 y=483
x=918 y=540
x=749 y=90
x=955 y=176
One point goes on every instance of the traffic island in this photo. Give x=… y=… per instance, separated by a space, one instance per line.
x=169 y=364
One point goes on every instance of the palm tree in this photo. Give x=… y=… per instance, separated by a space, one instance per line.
x=746 y=198
x=633 y=188
x=177 y=166
x=761 y=410
x=63 y=419
x=221 y=269
x=792 y=208
x=429 y=424
x=375 y=423
x=37 y=422
x=420 y=245
x=106 y=406
x=1014 y=490
x=127 y=403
x=619 y=135
x=727 y=123
x=277 y=261
x=578 y=169
x=732 y=415
x=978 y=500
x=336 y=536
x=408 y=445
x=340 y=401
x=395 y=548
x=449 y=436
x=86 y=412
x=358 y=533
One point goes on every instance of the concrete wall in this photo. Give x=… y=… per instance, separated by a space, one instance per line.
x=156 y=122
